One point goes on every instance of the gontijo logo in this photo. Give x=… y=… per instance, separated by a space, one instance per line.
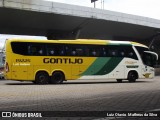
x=63 y=60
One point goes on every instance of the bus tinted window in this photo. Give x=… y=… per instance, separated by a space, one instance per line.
x=77 y=50
x=121 y=51
x=147 y=58
x=20 y=48
x=93 y=50
x=53 y=50
x=113 y=51
x=47 y=49
x=36 y=49
x=141 y=50
x=130 y=53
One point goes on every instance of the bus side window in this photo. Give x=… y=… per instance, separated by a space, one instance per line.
x=32 y=51
x=61 y=51
x=20 y=48
x=113 y=53
x=40 y=52
x=94 y=53
x=130 y=53
x=80 y=52
x=103 y=52
x=29 y=50
x=67 y=50
x=73 y=52
x=87 y=52
x=36 y=49
x=53 y=49
x=52 y=52
x=122 y=54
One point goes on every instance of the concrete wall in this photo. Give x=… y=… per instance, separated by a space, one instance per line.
x=66 y=9
x=157 y=71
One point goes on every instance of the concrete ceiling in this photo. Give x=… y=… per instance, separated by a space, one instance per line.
x=23 y=22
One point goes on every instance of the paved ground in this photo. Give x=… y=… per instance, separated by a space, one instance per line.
x=144 y=95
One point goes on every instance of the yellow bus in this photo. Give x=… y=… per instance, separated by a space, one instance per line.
x=55 y=61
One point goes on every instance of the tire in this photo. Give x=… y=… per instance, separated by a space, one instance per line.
x=132 y=76
x=57 y=78
x=42 y=78
x=119 y=80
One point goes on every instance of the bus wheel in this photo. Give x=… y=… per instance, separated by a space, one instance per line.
x=42 y=78
x=57 y=78
x=119 y=80
x=132 y=76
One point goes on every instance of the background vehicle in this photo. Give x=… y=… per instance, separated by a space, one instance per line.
x=2 y=61
x=53 y=61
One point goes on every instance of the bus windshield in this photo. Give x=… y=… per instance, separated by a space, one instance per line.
x=149 y=58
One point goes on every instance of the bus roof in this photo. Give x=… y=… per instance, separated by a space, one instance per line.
x=81 y=41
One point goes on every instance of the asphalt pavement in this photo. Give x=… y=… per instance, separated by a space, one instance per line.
x=82 y=97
